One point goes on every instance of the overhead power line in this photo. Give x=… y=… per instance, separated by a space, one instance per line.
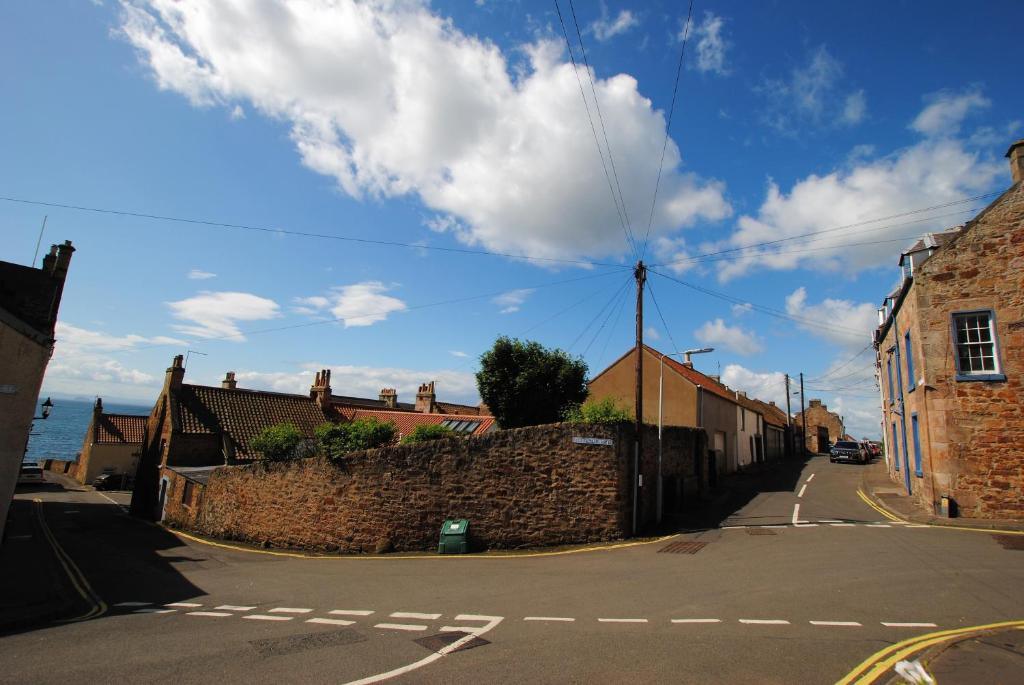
x=600 y=151
x=301 y=234
x=668 y=331
x=668 y=128
x=601 y=311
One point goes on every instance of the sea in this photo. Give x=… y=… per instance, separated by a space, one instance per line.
x=61 y=436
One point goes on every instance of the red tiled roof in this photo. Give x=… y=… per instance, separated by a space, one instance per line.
x=772 y=414
x=695 y=377
x=120 y=428
x=406 y=421
x=242 y=414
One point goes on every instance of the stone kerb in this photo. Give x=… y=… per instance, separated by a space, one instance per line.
x=524 y=487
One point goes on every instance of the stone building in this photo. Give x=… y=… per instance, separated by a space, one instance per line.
x=113 y=443
x=197 y=425
x=29 y=300
x=689 y=398
x=950 y=354
x=823 y=427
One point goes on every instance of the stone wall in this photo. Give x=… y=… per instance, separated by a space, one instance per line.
x=525 y=487
x=62 y=466
x=818 y=417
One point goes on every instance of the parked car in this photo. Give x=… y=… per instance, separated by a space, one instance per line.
x=109 y=481
x=847 y=450
x=31 y=474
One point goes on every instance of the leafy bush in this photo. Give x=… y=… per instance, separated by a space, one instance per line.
x=526 y=384
x=426 y=433
x=337 y=439
x=279 y=442
x=603 y=411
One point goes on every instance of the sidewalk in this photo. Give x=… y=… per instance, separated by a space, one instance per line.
x=892 y=497
x=33 y=587
x=993 y=658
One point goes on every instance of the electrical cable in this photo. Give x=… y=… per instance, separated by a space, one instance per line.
x=599 y=312
x=657 y=307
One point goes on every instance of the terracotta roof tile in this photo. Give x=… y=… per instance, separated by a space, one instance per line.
x=695 y=377
x=120 y=428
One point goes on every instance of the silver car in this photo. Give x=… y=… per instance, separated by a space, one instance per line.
x=31 y=474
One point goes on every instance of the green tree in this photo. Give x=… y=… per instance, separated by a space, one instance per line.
x=526 y=384
x=604 y=411
x=279 y=442
x=337 y=439
x=426 y=433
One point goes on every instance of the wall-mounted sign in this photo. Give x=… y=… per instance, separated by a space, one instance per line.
x=593 y=441
x=8 y=390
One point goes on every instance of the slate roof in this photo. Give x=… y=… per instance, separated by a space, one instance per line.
x=120 y=429
x=366 y=402
x=407 y=421
x=772 y=414
x=242 y=414
x=198 y=474
x=463 y=409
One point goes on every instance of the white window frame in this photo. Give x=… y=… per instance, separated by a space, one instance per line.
x=995 y=374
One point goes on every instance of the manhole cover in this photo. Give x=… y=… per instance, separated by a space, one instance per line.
x=435 y=643
x=760 y=531
x=300 y=643
x=1011 y=541
x=687 y=547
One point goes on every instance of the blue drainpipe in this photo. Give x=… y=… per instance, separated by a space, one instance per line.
x=903 y=407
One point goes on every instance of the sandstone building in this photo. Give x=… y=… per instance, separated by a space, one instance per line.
x=823 y=427
x=29 y=300
x=113 y=443
x=950 y=354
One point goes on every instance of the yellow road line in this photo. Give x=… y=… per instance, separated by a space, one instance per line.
x=879 y=663
x=891 y=517
x=386 y=557
x=97 y=606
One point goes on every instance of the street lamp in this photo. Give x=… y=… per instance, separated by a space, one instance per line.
x=47 y=406
x=661 y=387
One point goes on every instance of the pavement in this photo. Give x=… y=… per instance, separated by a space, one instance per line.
x=798 y=581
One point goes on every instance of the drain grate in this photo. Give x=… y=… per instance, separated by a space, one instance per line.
x=435 y=643
x=687 y=547
x=1011 y=541
x=300 y=643
x=760 y=531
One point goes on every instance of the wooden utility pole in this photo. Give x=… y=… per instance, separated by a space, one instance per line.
x=640 y=273
x=789 y=420
x=803 y=412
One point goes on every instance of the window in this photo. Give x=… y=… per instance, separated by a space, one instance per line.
x=917 y=446
x=888 y=365
x=460 y=426
x=977 y=353
x=910 y=362
x=895 y=449
x=743 y=419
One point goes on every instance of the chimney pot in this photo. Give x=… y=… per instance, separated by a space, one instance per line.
x=1016 y=156
x=176 y=373
x=229 y=382
x=426 y=399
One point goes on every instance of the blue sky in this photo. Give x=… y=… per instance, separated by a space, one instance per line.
x=461 y=125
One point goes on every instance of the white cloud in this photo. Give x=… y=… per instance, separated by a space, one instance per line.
x=932 y=172
x=739 y=310
x=365 y=381
x=603 y=29
x=711 y=45
x=216 y=314
x=811 y=95
x=82 y=365
x=200 y=275
x=947 y=110
x=393 y=100
x=512 y=300
x=837 y=321
x=734 y=338
x=359 y=304
x=651 y=333
x=458 y=353
x=766 y=386
x=855 y=109
x=237 y=113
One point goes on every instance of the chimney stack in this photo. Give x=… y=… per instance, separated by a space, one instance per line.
x=56 y=264
x=176 y=373
x=426 y=400
x=229 y=381
x=389 y=396
x=321 y=390
x=1016 y=156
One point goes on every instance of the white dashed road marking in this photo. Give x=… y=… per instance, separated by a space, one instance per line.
x=696 y=620
x=842 y=525
x=477 y=617
x=184 y=605
x=413 y=614
x=765 y=621
x=622 y=620
x=330 y=621
x=154 y=611
x=548 y=618
x=810 y=478
x=349 y=612
x=802 y=489
x=232 y=607
x=399 y=626
x=909 y=625
x=835 y=623
x=268 y=617
x=878 y=525
x=290 y=610
x=214 y=614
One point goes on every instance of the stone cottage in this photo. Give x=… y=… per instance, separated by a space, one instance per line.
x=823 y=427
x=113 y=443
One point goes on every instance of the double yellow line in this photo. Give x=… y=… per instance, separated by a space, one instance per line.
x=878 y=664
x=991 y=531
x=97 y=607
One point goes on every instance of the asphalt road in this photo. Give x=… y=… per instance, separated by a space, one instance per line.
x=764 y=600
